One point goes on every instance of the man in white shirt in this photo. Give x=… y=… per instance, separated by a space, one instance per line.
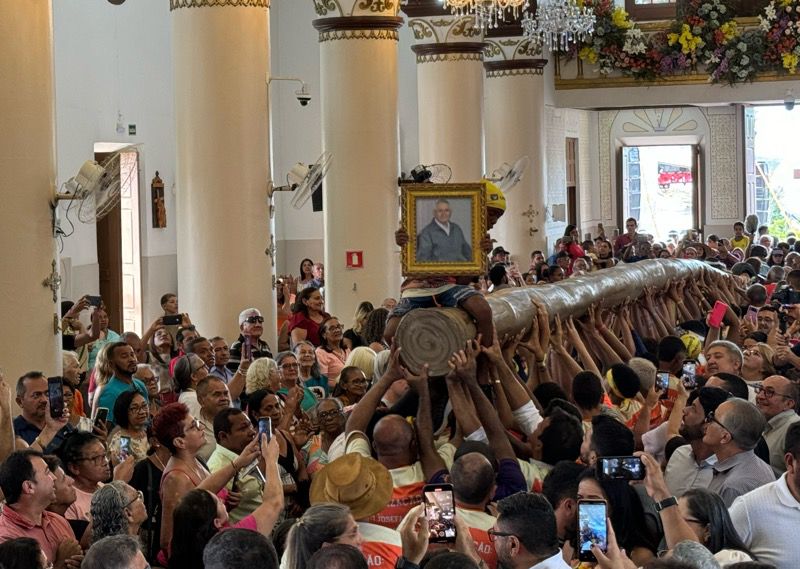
x=768 y=517
x=525 y=535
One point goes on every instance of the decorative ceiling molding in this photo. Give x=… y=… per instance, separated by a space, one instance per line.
x=176 y=4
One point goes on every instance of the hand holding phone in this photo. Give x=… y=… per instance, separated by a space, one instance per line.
x=101 y=417
x=95 y=301
x=592 y=528
x=124 y=448
x=440 y=510
x=717 y=314
x=620 y=468
x=689 y=374
x=264 y=428
x=55 y=396
x=172 y=319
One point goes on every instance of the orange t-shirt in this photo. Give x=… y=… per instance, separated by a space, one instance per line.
x=479 y=525
x=382 y=547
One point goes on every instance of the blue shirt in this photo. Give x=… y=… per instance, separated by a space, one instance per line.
x=28 y=433
x=113 y=389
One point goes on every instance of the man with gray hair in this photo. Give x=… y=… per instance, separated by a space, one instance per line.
x=731 y=433
x=115 y=552
x=235 y=548
x=694 y=554
x=441 y=239
x=723 y=356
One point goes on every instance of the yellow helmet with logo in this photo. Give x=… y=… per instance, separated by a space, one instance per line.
x=494 y=196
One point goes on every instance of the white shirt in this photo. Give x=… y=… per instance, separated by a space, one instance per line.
x=767 y=519
x=554 y=562
x=442 y=226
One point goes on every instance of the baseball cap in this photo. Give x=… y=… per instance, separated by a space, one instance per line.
x=499 y=250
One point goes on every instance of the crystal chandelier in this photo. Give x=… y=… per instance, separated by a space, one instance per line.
x=558 y=23
x=488 y=13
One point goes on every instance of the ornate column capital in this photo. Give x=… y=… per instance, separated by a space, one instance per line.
x=358 y=27
x=348 y=8
x=176 y=4
x=508 y=68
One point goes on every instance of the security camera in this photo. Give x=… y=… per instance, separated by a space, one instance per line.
x=303 y=96
x=788 y=100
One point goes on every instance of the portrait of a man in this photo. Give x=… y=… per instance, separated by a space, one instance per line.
x=442 y=240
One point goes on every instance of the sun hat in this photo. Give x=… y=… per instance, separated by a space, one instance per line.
x=363 y=484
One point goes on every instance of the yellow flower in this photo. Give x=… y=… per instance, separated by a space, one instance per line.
x=689 y=42
x=729 y=30
x=790 y=62
x=672 y=39
x=619 y=18
x=589 y=54
x=784 y=3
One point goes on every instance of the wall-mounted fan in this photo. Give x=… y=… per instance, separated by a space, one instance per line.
x=508 y=175
x=96 y=186
x=304 y=181
x=431 y=174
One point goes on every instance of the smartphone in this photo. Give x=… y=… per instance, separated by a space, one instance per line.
x=247 y=349
x=101 y=417
x=55 y=394
x=752 y=314
x=440 y=509
x=662 y=384
x=717 y=314
x=592 y=528
x=620 y=468
x=124 y=448
x=172 y=319
x=94 y=300
x=689 y=374
x=264 y=428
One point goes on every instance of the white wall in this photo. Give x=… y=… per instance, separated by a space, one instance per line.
x=108 y=59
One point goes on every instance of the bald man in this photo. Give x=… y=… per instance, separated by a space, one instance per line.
x=474 y=485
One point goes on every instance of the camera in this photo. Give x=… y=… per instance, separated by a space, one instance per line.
x=303 y=96
x=788 y=100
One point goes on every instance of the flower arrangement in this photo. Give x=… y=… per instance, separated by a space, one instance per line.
x=781 y=22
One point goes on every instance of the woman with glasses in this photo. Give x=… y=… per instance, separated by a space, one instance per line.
x=308 y=313
x=116 y=509
x=351 y=388
x=331 y=353
x=757 y=364
x=132 y=415
x=289 y=374
x=77 y=421
x=309 y=369
x=183 y=435
x=189 y=371
x=330 y=419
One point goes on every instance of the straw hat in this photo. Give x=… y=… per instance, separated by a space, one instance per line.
x=363 y=484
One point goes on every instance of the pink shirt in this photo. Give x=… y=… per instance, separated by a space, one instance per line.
x=49 y=534
x=80 y=508
x=330 y=364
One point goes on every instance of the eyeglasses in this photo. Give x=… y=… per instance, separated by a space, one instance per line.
x=769 y=392
x=325 y=415
x=710 y=418
x=196 y=425
x=139 y=496
x=290 y=366
x=359 y=381
x=336 y=327
x=137 y=408
x=494 y=534
x=97 y=460
x=255 y=320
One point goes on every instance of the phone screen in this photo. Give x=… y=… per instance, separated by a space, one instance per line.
x=621 y=467
x=124 y=448
x=689 y=374
x=264 y=428
x=592 y=528
x=662 y=381
x=247 y=350
x=55 y=394
x=94 y=300
x=440 y=509
x=752 y=314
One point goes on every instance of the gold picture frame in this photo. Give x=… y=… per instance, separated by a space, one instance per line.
x=443 y=249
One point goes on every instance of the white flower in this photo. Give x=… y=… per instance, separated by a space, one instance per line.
x=742 y=46
x=770 y=12
x=714 y=15
x=722 y=9
x=745 y=60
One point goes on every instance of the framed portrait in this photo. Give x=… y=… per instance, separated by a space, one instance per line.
x=445 y=225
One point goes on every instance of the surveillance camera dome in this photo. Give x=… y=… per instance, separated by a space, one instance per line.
x=303 y=97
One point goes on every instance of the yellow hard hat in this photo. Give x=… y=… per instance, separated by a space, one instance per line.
x=693 y=345
x=494 y=196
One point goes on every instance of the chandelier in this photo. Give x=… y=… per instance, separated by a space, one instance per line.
x=488 y=13
x=558 y=23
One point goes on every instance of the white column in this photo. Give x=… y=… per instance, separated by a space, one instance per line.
x=358 y=61
x=221 y=63
x=514 y=127
x=27 y=178
x=449 y=89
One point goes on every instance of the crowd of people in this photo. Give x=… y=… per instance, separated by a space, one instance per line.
x=184 y=449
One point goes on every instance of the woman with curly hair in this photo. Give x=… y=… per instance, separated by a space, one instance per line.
x=116 y=509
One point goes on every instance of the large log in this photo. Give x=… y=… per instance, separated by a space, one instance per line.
x=430 y=335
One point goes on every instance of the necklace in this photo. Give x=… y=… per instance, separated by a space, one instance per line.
x=158 y=460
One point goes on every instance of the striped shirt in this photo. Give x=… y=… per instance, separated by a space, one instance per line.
x=739 y=474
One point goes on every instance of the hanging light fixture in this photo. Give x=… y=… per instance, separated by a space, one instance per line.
x=558 y=23
x=488 y=13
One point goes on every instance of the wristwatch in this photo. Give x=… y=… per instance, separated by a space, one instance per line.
x=666 y=503
x=403 y=563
